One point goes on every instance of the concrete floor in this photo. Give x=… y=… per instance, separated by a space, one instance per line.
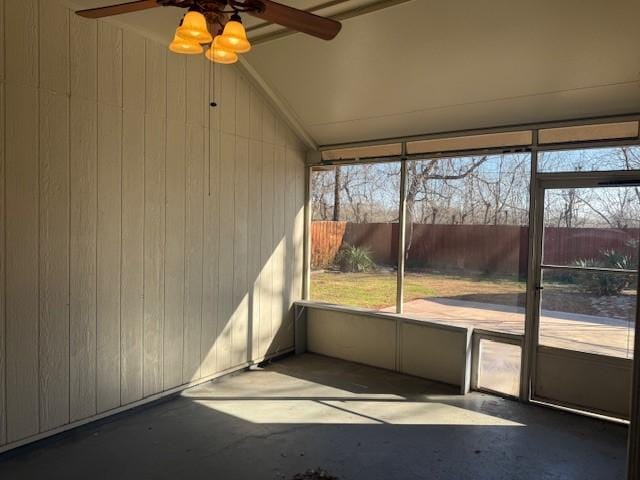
x=356 y=422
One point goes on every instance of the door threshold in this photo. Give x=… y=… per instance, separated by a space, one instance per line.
x=577 y=411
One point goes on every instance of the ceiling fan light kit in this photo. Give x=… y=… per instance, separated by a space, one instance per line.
x=194 y=28
x=219 y=54
x=193 y=31
x=234 y=36
x=187 y=47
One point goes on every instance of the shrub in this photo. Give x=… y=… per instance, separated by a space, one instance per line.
x=601 y=283
x=614 y=259
x=354 y=259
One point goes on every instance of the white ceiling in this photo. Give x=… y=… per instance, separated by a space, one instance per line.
x=437 y=65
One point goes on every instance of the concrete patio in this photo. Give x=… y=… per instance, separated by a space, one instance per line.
x=585 y=333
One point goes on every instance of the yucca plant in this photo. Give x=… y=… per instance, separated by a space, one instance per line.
x=354 y=259
x=606 y=284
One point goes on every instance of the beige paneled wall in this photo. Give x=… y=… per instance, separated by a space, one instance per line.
x=148 y=241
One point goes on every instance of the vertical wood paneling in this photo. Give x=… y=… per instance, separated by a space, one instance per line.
x=254 y=234
x=175 y=259
x=54 y=41
x=227 y=105
x=54 y=260
x=21 y=25
x=255 y=116
x=243 y=107
x=240 y=253
x=108 y=252
x=227 y=224
x=132 y=216
x=211 y=259
x=2 y=72
x=133 y=72
x=196 y=102
x=193 y=255
x=279 y=245
x=215 y=94
x=83 y=65
x=154 y=229
x=83 y=216
x=3 y=416
x=175 y=226
x=268 y=125
x=281 y=132
x=109 y=226
x=176 y=92
x=145 y=248
x=286 y=332
x=22 y=263
x=109 y=64
x=266 y=250
x=156 y=79
x=83 y=196
x=154 y=222
x=298 y=227
x=131 y=288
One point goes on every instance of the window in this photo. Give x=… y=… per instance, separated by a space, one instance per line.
x=590 y=160
x=499 y=365
x=354 y=235
x=466 y=247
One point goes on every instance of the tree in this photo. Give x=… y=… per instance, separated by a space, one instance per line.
x=337 y=186
x=420 y=173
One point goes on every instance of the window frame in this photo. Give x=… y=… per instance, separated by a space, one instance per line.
x=528 y=340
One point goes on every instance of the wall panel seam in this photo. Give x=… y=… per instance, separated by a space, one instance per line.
x=4 y=432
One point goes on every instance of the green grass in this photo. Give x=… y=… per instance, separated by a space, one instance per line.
x=378 y=290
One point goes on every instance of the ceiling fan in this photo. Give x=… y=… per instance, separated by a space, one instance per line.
x=229 y=36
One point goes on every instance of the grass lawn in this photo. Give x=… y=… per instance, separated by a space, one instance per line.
x=378 y=290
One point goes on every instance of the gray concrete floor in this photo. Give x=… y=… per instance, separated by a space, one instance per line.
x=356 y=422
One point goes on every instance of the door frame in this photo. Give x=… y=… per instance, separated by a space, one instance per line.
x=540 y=182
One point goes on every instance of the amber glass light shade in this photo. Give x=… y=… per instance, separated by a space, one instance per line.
x=234 y=36
x=194 y=28
x=219 y=54
x=188 y=47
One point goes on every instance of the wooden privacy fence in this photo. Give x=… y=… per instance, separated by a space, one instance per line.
x=480 y=248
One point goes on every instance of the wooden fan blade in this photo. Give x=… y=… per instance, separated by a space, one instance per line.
x=305 y=22
x=118 y=9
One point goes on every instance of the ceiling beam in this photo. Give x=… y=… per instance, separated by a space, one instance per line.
x=345 y=15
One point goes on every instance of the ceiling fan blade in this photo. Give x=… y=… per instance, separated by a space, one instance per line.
x=305 y=22
x=118 y=9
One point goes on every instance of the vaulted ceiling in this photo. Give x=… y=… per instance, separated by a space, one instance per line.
x=423 y=66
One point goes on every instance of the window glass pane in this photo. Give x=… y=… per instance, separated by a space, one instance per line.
x=590 y=160
x=588 y=311
x=467 y=231
x=592 y=227
x=584 y=309
x=354 y=235
x=499 y=367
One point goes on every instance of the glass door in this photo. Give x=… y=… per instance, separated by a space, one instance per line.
x=586 y=295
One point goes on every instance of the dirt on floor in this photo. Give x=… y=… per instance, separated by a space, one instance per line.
x=316 y=474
